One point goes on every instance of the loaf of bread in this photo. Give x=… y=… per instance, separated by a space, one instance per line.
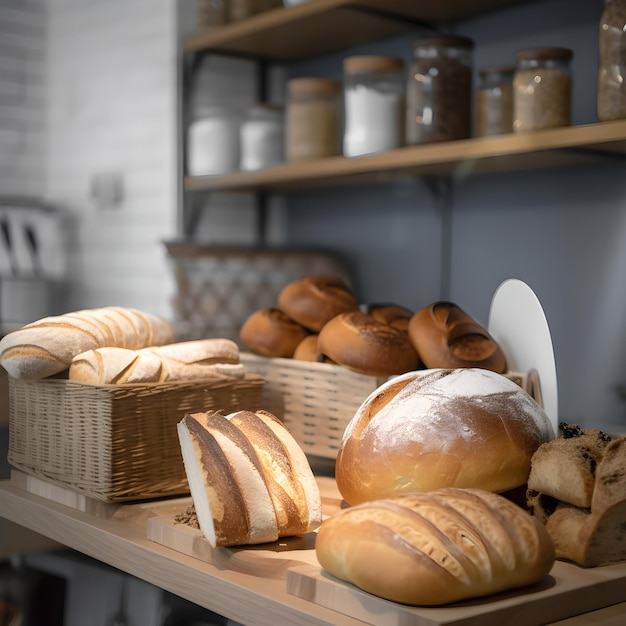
x=447 y=337
x=430 y=429
x=393 y=314
x=362 y=344
x=315 y=300
x=183 y=361
x=270 y=332
x=577 y=488
x=47 y=346
x=249 y=479
x=435 y=548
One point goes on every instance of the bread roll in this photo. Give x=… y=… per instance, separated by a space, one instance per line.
x=308 y=350
x=392 y=314
x=435 y=548
x=360 y=343
x=427 y=430
x=315 y=300
x=47 y=346
x=447 y=337
x=270 y=332
x=249 y=479
x=584 y=506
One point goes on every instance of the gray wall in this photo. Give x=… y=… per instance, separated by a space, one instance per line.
x=562 y=231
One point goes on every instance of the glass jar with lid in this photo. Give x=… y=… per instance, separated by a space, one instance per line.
x=612 y=61
x=439 y=90
x=262 y=137
x=542 y=89
x=312 y=118
x=373 y=104
x=213 y=141
x=494 y=114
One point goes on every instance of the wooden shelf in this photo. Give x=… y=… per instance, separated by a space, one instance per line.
x=321 y=26
x=240 y=585
x=458 y=159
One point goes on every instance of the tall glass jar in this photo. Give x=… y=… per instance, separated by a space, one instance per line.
x=373 y=104
x=439 y=90
x=494 y=114
x=542 y=88
x=312 y=118
x=612 y=61
x=262 y=137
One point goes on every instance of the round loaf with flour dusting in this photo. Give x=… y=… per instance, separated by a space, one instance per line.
x=430 y=429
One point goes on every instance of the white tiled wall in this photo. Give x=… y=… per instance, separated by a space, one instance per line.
x=22 y=97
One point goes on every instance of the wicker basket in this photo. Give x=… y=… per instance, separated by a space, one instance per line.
x=113 y=442
x=316 y=401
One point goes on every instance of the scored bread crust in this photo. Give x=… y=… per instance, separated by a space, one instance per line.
x=115 y=366
x=436 y=548
x=445 y=336
x=364 y=345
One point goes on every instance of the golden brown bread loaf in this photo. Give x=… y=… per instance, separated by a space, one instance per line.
x=47 y=346
x=308 y=350
x=182 y=361
x=360 y=343
x=435 y=548
x=249 y=479
x=426 y=430
x=447 y=337
x=314 y=300
x=270 y=332
x=584 y=505
x=392 y=314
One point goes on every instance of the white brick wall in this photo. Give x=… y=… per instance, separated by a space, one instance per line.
x=22 y=97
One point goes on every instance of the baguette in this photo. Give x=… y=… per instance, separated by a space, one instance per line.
x=437 y=547
x=47 y=346
x=183 y=361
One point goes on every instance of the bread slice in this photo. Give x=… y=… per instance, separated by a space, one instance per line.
x=565 y=468
x=229 y=492
x=249 y=479
x=577 y=488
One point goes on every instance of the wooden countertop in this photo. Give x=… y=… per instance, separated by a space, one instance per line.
x=117 y=535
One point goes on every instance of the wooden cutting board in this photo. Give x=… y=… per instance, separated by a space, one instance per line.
x=568 y=591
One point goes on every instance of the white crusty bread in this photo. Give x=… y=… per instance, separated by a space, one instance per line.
x=115 y=366
x=584 y=507
x=250 y=482
x=437 y=547
x=183 y=361
x=47 y=346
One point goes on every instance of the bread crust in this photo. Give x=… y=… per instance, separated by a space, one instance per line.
x=445 y=336
x=315 y=300
x=436 y=548
x=272 y=333
x=426 y=430
x=362 y=344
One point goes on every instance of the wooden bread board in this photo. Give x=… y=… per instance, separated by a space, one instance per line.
x=570 y=590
